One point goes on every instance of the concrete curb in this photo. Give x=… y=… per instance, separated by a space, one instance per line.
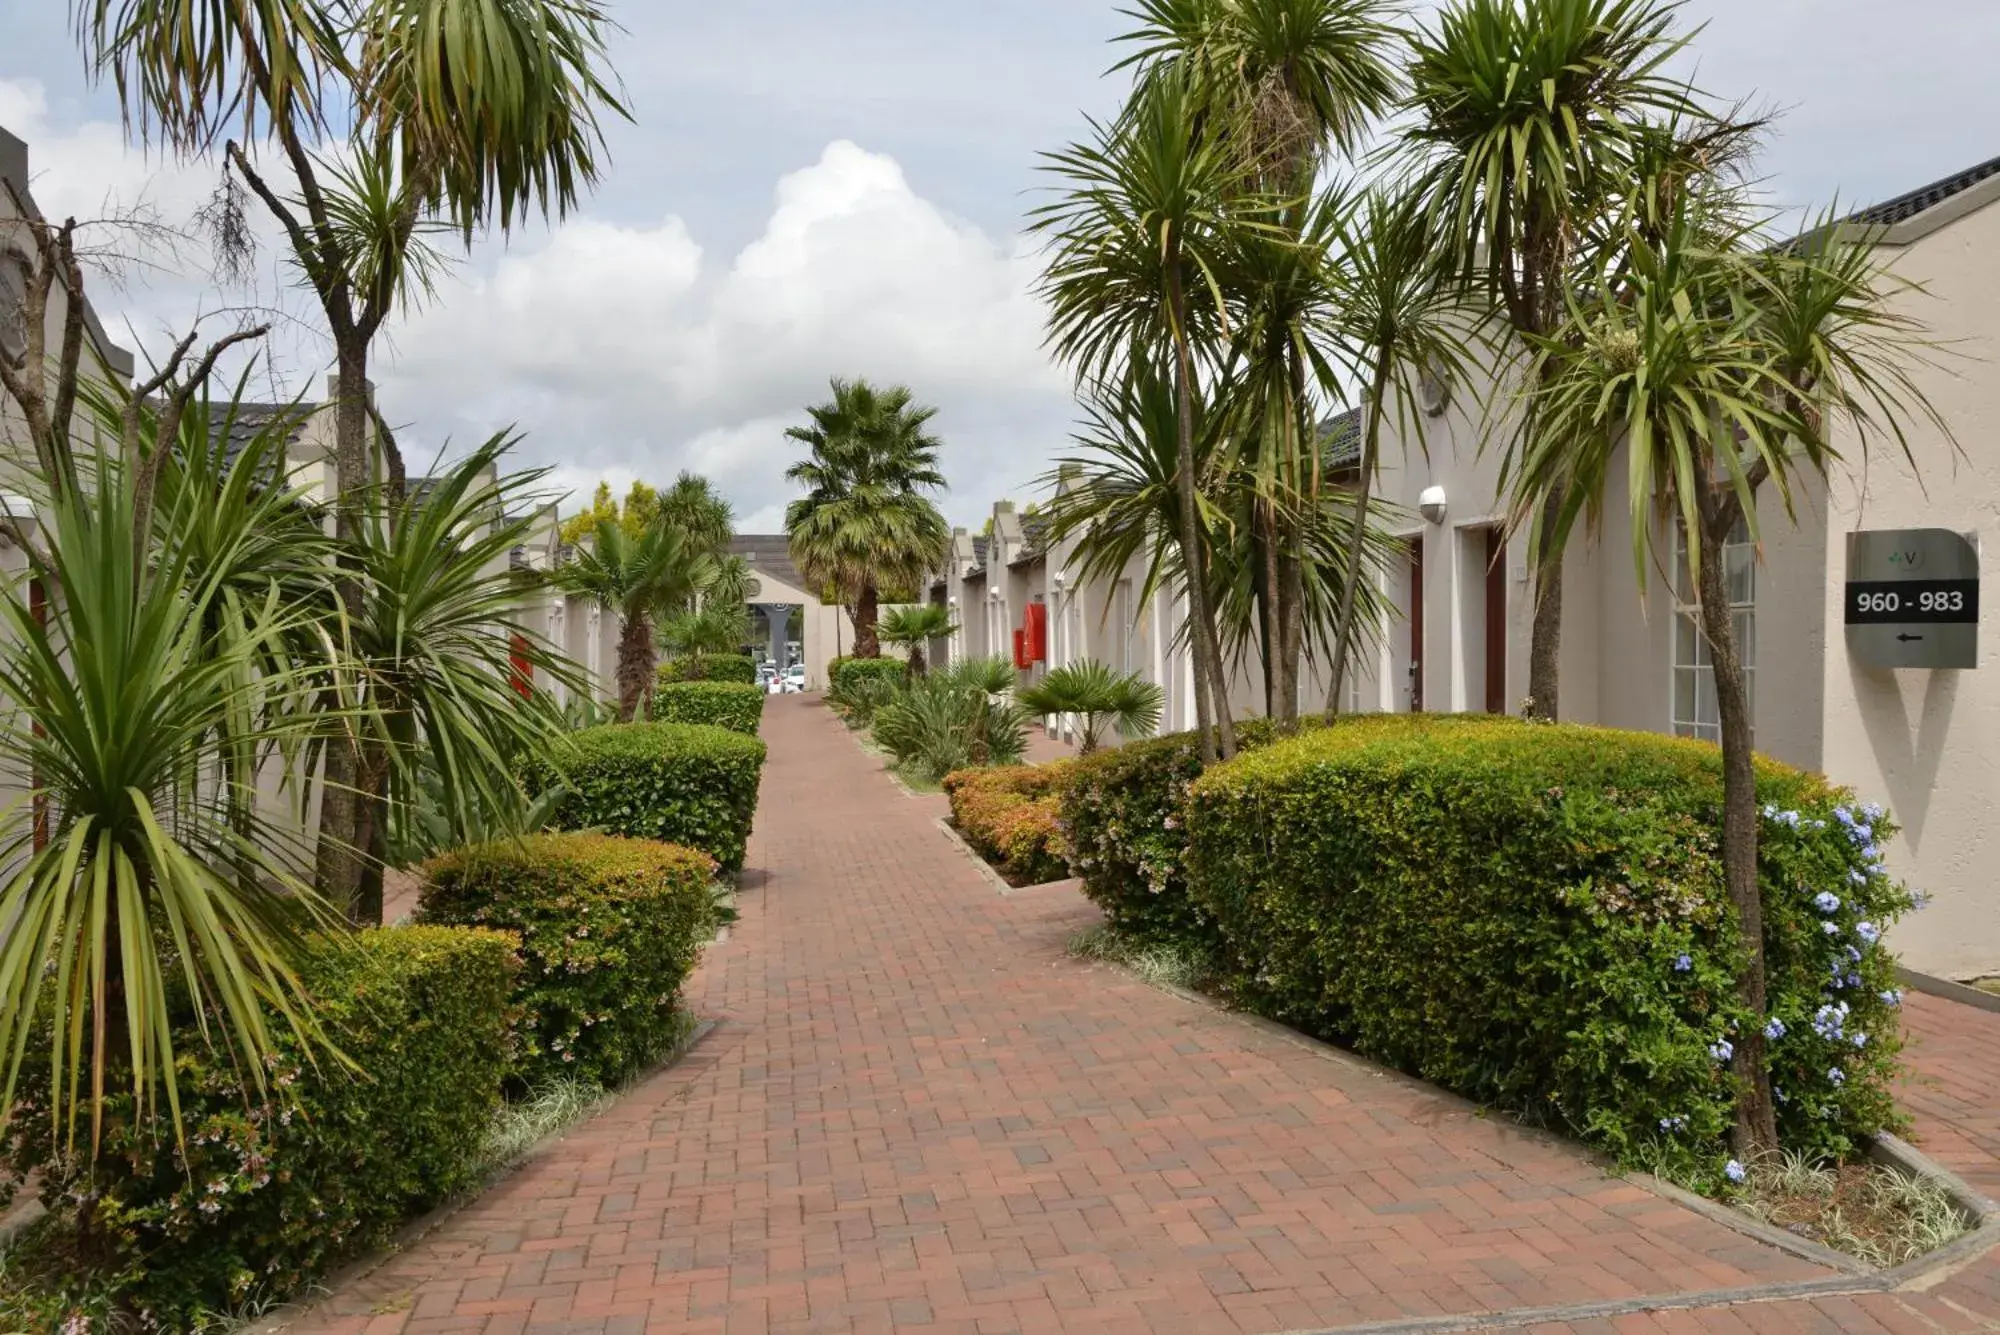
x=1948 y=990
x=413 y=1232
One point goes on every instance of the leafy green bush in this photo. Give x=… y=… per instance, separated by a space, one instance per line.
x=845 y=676
x=1536 y=918
x=679 y=783
x=723 y=704
x=268 y=1194
x=1122 y=816
x=1011 y=817
x=708 y=667
x=609 y=930
x=948 y=721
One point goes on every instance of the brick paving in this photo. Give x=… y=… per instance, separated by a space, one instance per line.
x=917 y=1115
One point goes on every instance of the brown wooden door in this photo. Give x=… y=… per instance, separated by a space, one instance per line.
x=1417 y=624
x=1496 y=621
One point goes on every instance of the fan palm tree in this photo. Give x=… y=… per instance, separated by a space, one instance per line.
x=697 y=509
x=1701 y=367
x=1525 y=116
x=865 y=524
x=1138 y=243
x=915 y=625
x=453 y=113
x=636 y=581
x=1099 y=697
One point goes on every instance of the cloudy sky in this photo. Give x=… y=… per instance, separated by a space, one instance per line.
x=810 y=189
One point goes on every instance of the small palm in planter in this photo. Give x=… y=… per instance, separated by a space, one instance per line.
x=915 y=626
x=1099 y=697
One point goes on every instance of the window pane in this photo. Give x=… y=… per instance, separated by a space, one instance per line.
x=1746 y=638
x=1739 y=564
x=1685 y=639
x=1750 y=697
x=1684 y=695
x=1704 y=699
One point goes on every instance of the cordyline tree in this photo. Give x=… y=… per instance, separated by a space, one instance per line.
x=1706 y=366
x=865 y=524
x=459 y=114
x=1281 y=86
x=1524 y=118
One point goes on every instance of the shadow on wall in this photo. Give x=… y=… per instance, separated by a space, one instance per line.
x=1908 y=751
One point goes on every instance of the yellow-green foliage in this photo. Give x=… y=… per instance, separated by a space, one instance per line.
x=609 y=930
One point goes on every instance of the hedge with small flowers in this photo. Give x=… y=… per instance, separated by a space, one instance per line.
x=609 y=930
x=1536 y=917
x=723 y=704
x=274 y=1189
x=1010 y=814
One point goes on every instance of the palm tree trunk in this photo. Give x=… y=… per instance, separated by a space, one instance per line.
x=371 y=832
x=1194 y=563
x=867 y=608
x=1264 y=574
x=1291 y=625
x=1756 y=1129
x=338 y=857
x=1343 y=634
x=1545 y=648
x=635 y=664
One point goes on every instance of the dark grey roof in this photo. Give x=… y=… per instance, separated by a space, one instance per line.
x=1035 y=530
x=1340 y=439
x=517 y=559
x=769 y=553
x=1925 y=198
x=980 y=546
x=249 y=420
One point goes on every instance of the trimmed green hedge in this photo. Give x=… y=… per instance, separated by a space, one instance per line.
x=1535 y=917
x=609 y=929
x=679 y=783
x=722 y=704
x=708 y=667
x=271 y=1195
x=845 y=675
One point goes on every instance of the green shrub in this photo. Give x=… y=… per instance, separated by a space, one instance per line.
x=942 y=722
x=679 y=783
x=609 y=930
x=723 y=704
x=1123 y=819
x=708 y=667
x=267 y=1195
x=1536 y=918
x=1011 y=817
x=844 y=676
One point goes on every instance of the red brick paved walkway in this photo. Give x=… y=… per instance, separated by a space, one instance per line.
x=917 y=1114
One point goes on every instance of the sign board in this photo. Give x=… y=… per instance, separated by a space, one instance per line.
x=1913 y=598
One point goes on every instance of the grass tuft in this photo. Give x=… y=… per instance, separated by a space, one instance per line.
x=1159 y=965
x=1868 y=1210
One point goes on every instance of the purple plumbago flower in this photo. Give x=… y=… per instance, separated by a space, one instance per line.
x=1873 y=811
x=1826 y=902
x=1893 y=997
x=1860 y=1040
x=1722 y=1050
x=1673 y=1124
x=1852 y=980
x=1734 y=1171
x=1868 y=932
x=1830 y=928
x=1858 y=876
x=1836 y=1077
x=1775 y=1030
x=1683 y=964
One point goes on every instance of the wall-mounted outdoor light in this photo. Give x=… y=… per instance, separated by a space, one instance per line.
x=1431 y=504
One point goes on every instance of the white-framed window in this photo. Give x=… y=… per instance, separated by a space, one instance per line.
x=1694 y=708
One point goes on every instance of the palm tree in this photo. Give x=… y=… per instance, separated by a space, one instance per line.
x=636 y=581
x=1525 y=116
x=1401 y=317
x=1281 y=83
x=155 y=687
x=1701 y=366
x=696 y=508
x=438 y=660
x=454 y=116
x=1100 y=697
x=865 y=524
x=914 y=626
x=1138 y=242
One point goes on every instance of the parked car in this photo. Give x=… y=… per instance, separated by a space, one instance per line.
x=794 y=679
x=767 y=676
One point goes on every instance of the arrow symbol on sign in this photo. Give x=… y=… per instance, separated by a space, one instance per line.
x=1907 y=638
